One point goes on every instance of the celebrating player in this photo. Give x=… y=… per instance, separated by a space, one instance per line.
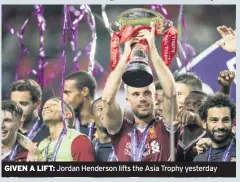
x=29 y=96
x=155 y=138
x=63 y=144
x=79 y=91
x=102 y=145
x=218 y=113
x=11 y=122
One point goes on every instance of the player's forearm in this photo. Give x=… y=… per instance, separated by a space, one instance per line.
x=114 y=81
x=24 y=141
x=164 y=74
x=169 y=106
x=111 y=110
x=225 y=90
x=27 y=144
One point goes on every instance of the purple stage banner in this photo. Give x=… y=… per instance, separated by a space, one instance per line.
x=207 y=66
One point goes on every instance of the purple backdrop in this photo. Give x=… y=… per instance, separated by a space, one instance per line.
x=210 y=62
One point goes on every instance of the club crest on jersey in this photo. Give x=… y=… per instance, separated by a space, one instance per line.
x=152 y=132
x=155 y=146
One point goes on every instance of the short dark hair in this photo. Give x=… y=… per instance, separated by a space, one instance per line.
x=158 y=85
x=199 y=92
x=217 y=100
x=84 y=79
x=28 y=85
x=12 y=107
x=93 y=104
x=189 y=79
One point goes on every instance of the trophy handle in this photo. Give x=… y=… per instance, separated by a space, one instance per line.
x=115 y=26
x=167 y=25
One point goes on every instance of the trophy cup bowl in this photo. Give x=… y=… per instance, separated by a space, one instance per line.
x=138 y=73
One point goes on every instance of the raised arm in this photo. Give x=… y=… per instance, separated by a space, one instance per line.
x=229 y=39
x=111 y=109
x=26 y=143
x=164 y=74
x=225 y=80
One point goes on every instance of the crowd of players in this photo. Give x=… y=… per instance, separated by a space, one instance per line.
x=83 y=128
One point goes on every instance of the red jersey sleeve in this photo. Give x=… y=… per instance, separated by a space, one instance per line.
x=22 y=156
x=82 y=149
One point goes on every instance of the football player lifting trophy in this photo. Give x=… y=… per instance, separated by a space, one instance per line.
x=127 y=25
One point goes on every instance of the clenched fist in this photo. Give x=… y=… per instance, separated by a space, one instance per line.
x=226 y=78
x=187 y=117
x=203 y=144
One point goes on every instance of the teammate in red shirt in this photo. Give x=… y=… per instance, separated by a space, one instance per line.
x=147 y=138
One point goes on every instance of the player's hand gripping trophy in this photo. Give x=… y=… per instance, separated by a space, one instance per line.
x=128 y=25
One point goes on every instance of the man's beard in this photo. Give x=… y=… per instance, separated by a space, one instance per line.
x=77 y=109
x=77 y=112
x=27 y=120
x=142 y=116
x=228 y=133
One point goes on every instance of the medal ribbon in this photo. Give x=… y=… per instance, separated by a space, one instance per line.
x=35 y=129
x=90 y=130
x=111 y=156
x=136 y=148
x=31 y=134
x=77 y=126
x=226 y=154
x=57 y=146
x=13 y=154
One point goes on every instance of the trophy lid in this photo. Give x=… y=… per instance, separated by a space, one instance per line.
x=138 y=16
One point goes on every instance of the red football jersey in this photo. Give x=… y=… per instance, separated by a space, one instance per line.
x=157 y=146
x=82 y=149
x=20 y=157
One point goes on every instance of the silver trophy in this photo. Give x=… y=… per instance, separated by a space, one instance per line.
x=138 y=72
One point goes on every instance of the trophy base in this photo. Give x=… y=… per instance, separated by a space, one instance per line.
x=138 y=74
